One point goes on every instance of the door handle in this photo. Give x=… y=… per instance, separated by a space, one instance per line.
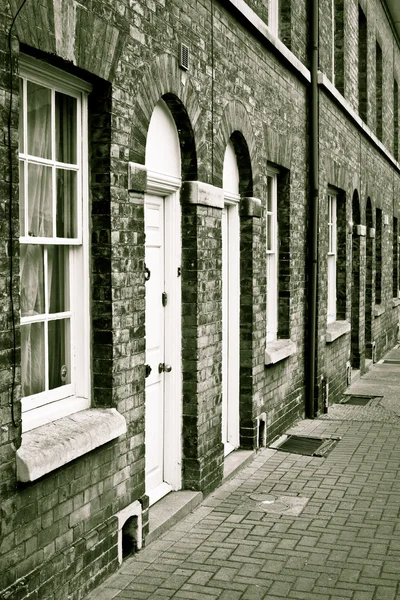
x=147 y=370
x=163 y=368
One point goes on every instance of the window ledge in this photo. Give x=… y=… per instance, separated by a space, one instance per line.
x=279 y=350
x=55 y=444
x=379 y=309
x=335 y=330
x=395 y=302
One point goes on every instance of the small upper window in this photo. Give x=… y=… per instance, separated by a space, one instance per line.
x=53 y=243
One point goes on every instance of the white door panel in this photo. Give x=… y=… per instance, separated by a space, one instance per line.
x=230 y=327
x=154 y=421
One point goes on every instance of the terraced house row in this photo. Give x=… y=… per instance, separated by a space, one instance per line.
x=199 y=245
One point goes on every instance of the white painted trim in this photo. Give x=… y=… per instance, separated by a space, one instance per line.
x=63 y=401
x=272 y=258
x=50 y=412
x=159 y=492
x=253 y=19
x=273 y=17
x=332 y=256
x=161 y=183
x=43 y=73
x=231 y=312
x=132 y=510
x=231 y=198
x=173 y=342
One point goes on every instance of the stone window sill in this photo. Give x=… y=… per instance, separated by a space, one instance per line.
x=395 y=302
x=55 y=444
x=379 y=309
x=335 y=330
x=279 y=350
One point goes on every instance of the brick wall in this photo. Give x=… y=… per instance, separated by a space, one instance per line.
x=65 y=522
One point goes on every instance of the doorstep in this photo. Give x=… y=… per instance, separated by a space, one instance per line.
x=169 y=510
x=175 y=506
x=235 y=461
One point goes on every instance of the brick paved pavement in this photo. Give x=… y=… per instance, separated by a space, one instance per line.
x=344 y=544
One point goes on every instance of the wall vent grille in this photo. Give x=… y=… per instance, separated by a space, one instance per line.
x=183 y=56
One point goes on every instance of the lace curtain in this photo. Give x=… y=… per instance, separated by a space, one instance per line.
x=33 y=257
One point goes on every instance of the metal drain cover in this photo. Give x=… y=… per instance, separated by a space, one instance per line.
x=308 y=446
x=391 y=361
x=281 y=505
x=359 y=400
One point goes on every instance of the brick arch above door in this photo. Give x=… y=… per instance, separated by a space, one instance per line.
x=163 y=79
x=235 y=124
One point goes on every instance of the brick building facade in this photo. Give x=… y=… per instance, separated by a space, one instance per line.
x=156 y=260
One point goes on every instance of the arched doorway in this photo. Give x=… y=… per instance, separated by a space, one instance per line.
x=355 y=286
x=230 y=301
x=163 y=408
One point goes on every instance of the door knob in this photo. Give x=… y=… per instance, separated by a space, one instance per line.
x=163 y=368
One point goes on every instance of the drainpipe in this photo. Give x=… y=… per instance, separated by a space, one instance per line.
x=313 y=232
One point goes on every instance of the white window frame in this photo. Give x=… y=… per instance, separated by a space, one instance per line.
x=332 y=256
x=44 y=407
x=272 y=256
x=273 y=17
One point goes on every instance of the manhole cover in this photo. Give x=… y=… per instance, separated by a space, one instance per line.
x=359 y=400
x=308 y=446
x=281 y=505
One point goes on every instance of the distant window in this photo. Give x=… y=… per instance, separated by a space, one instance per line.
x=272 y=256
x=362 y=64
x=332 y=255
x=379 y=90
x=338 y=45
x=378 y=257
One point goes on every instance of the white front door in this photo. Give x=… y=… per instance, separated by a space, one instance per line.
x=230 y=327
x=155 y=344
x=163 y=408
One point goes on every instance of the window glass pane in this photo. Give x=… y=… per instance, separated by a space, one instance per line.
x=21 y=198
x=58 y=278
x=59 y=353
x=32 y=359
x=32 y=280
x=269 y=195
x=39 y=120
x=67 y=226
x=21 y=116
x=65 y=128
x=40 y=210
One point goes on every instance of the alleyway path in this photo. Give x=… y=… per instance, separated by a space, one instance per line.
x=339 y=540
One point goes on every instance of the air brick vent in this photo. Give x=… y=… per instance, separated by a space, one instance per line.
x=183 y=56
